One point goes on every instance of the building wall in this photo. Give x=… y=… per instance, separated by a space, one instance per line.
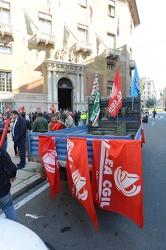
x=148 y=90
x=29 y=59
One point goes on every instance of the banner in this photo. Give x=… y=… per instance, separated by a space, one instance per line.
x=94 y=117
x=7 y=108
x=56 y=126
x=115 y=101
x=22 y=109
x=52 y=107
x=48 y=154
x=78 y=175
x=117 y=177
x=7 y=121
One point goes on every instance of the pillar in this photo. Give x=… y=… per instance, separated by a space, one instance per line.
x=82 y=88
x=55 y=88
x=49 y=82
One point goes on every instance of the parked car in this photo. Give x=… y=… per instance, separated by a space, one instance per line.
x=14 y=235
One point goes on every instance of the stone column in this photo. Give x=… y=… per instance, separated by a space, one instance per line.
x=55 y=88
x=49 y=82
x=82 y=88
x=78 y=90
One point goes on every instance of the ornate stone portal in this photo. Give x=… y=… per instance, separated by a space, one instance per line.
x=58 y=69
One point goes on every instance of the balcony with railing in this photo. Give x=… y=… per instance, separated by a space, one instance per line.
x=113 y=53
x=6 y=30
x=45 y=38
x=84 y=47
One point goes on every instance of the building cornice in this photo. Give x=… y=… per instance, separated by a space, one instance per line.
x=64 y=67
x=134 y=12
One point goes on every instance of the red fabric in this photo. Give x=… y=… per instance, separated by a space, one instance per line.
x=52 y=107
x=4 y=132
x=7 y=108
x=143 y=132
x=56 y=126
x=115 y=101
x=78 y=175
x=117 y=177
x=48 y=154
x=22 y=109
x=91 y=13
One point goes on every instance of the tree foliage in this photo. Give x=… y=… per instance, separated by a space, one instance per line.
x=150 y=103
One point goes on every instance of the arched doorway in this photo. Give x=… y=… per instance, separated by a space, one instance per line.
x=65 y=94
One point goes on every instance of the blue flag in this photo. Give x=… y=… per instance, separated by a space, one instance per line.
x=135 y=87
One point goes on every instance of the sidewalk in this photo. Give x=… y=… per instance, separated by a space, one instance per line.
x=27 y=177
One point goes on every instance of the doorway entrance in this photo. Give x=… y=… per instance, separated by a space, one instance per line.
x=65 y=94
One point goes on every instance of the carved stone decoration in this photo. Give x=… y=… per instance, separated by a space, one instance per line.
x=64 y=68
x=65 y=55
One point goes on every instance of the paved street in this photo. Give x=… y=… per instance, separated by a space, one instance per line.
x=26 y=178
x=64 y=223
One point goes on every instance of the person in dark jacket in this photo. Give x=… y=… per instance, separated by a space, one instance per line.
x=19 y=136
x=28 y=124
x=7 y=176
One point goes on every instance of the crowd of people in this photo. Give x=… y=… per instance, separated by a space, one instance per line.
x=20 y=123
x=18 y=126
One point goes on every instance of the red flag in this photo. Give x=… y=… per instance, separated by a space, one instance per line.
x=22 y=109
x=115 y=101
x=91 y=13
x=7 y=108
x=52 y=107
x=48 y=154
x=143 y=133
x=78 y=175
x=117 y=177
x=4 y=132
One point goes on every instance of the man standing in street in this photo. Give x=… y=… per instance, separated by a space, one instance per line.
x=19 y=136
x=69 y=120
x=7 y=176
x=40 y=124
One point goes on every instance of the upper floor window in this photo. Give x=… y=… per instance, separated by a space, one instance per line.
x=83 y=3
x=111 y=8
x=5 y=81
x=6 y=49
x=111 y=65
x=111 y=41
x=5 y=13
x=109 y=87
x=82 y=33
x=45 y=23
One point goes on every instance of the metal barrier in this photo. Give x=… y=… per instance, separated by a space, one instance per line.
x=61 y=141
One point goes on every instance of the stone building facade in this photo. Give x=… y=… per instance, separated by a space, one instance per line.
x=50 y=51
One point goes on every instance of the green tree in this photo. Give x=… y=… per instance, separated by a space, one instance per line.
x=150 y=103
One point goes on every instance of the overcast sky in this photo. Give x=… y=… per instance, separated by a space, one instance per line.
x=149 y=41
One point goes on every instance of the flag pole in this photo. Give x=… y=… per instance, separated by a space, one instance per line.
x=132 y=103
